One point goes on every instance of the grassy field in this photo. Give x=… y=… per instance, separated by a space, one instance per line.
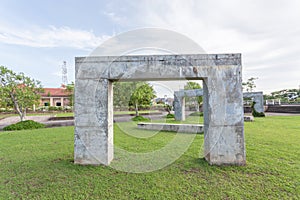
x=39 y=165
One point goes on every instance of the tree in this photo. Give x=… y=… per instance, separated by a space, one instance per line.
x=142 y=96
x=19 y=90
x=191 y=86
x=123 y=92
x=249 y=85
x=70 y=92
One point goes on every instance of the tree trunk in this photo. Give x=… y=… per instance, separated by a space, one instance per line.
x=17 y=108
x=23 y=115
x=136 y=110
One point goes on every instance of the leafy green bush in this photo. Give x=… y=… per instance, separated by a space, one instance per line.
x=140 y=119
x=55 y=108
x=255 y=113
x=197 y=114
x=168 y=116
x=28 y=124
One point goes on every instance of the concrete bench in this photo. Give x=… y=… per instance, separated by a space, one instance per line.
x=184 y=128
x=248 y=118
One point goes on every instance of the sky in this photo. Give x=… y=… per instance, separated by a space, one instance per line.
x=37 y=36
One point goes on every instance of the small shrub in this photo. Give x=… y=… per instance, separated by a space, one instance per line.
x=198 y=114
x=255 y=113
x=140 y=119
x=55 y=108
x=28 y=124
x=168 y=116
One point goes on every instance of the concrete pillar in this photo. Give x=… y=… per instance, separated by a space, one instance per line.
x=223 y=120
x=179 y=107
x=259 y=103
x=93 y=122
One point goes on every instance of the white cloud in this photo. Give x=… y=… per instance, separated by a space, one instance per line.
x=267 y=33
x=51 y=37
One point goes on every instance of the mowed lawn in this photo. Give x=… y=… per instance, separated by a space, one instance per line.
x=38 y=164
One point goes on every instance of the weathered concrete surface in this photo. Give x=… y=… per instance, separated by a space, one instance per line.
x=182 y=128
x=258 y=98
x=222 y=95
x=179 y=101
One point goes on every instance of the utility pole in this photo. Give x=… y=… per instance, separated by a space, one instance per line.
x=64 y=73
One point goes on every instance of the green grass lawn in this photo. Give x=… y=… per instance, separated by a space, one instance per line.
x=38 y=164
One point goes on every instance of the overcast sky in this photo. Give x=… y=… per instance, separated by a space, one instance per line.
x=37 y=36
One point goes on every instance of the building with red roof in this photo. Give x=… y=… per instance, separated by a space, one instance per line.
x=55 y=97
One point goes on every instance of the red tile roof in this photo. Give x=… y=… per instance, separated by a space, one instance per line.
x=55 y=92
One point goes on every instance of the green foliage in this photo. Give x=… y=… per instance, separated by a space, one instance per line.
x=18 y=90
x=200 y=114
x=143 y=95
x=70 y=91
x=55 y=108
x=23 y=125
x=255 y=113
x=123 y=91
x=191 y=86
x=169 y=116
x=249 y=85
x=140 y=119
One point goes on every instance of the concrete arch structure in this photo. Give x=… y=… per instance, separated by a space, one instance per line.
x=222 y=94
x=258 y=98
x=179 y=101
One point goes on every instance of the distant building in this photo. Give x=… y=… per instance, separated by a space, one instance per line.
x=55 y=97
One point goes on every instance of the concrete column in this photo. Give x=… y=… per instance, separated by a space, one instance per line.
x=259 y=103
x=51 y=101
x=179 y=107
x=223 y=119
x=93 y=122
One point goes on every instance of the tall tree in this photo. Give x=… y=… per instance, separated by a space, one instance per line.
x=19 y=90
x=249 y=85
x=143 y=95
x=123 y=92
x=191 y=86
x=70 y=92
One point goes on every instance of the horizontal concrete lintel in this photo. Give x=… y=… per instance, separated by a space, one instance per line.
x=189 y=93
x=252 y=94
x=134 y=58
